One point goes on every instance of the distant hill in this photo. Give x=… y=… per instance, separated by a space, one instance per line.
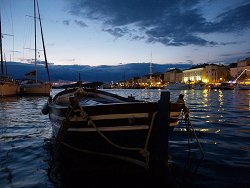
x=103 y=73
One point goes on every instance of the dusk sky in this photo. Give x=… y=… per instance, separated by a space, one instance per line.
x=111 y=32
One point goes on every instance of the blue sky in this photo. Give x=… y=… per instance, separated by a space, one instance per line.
x=111 y=32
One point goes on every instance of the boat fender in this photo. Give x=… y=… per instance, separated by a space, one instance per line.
x=45 y=109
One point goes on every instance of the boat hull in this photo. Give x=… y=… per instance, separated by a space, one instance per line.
x=110 y=130
x=242 y=87
x=42 y=89
x=8 y=89
x=103 y=126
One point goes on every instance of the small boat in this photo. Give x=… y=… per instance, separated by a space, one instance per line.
x=33 y=86
x=8 y=86
x=105 y=126
x=241 y=86
x=226 y=86
x=178 y=86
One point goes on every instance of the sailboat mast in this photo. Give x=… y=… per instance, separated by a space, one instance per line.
x=44 y=51
x=1 y=47
x=35 y=37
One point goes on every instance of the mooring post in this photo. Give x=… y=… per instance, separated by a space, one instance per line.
x=162 y=136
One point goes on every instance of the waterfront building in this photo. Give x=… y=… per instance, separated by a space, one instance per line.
x=206 y=73
x=217 y=73
x=174 y=75
x=195 y=74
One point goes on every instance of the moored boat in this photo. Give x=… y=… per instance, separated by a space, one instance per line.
x=8 y=86
x=243 y=84
x=33 y=86
x=240 y=86
x=106 y=126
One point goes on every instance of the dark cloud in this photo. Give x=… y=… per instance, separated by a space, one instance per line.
x=228 y=43
x=170 y=22
x=233 y=20
x=66 y=22
x=117 y=32
x=80 y=23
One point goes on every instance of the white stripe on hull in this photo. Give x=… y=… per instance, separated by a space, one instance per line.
x=111 y=116
x=103 y=117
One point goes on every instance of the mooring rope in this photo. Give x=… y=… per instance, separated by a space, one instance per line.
x=66 y=123
x=143 y=151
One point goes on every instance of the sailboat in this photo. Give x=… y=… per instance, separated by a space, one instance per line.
x=242 y=85
x=8 y=86
x=33 y=86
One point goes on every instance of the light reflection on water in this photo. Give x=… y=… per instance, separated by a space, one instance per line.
x=221 y=119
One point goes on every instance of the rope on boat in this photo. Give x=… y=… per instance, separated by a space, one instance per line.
x=188 y=124
x=64 y=127
x=145 y=153
x=191 y=131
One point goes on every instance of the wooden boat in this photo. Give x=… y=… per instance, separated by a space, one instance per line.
x=106 y=126
x=8 y=86
x=35 y=87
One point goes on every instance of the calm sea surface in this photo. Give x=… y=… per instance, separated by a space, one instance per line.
x=221 y=120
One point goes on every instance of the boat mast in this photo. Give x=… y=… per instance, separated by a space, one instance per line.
x=44 y=51
x=1 y=47
x=35 y=36
x=245 y=70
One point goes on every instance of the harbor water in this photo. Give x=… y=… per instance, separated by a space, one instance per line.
x=220 y=118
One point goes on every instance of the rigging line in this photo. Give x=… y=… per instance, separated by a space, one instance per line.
x=8 y=20
x=28 y=35
x=12 y=26
x=35 y=36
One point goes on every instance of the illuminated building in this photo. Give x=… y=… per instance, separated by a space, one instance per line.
x=195 y=74
x=174 y=75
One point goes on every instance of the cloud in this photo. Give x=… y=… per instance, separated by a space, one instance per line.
x=233 y=20
x=172 y=22
x=70 y=60
x=66 y=22
x=228 y=43
x=80 y=23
